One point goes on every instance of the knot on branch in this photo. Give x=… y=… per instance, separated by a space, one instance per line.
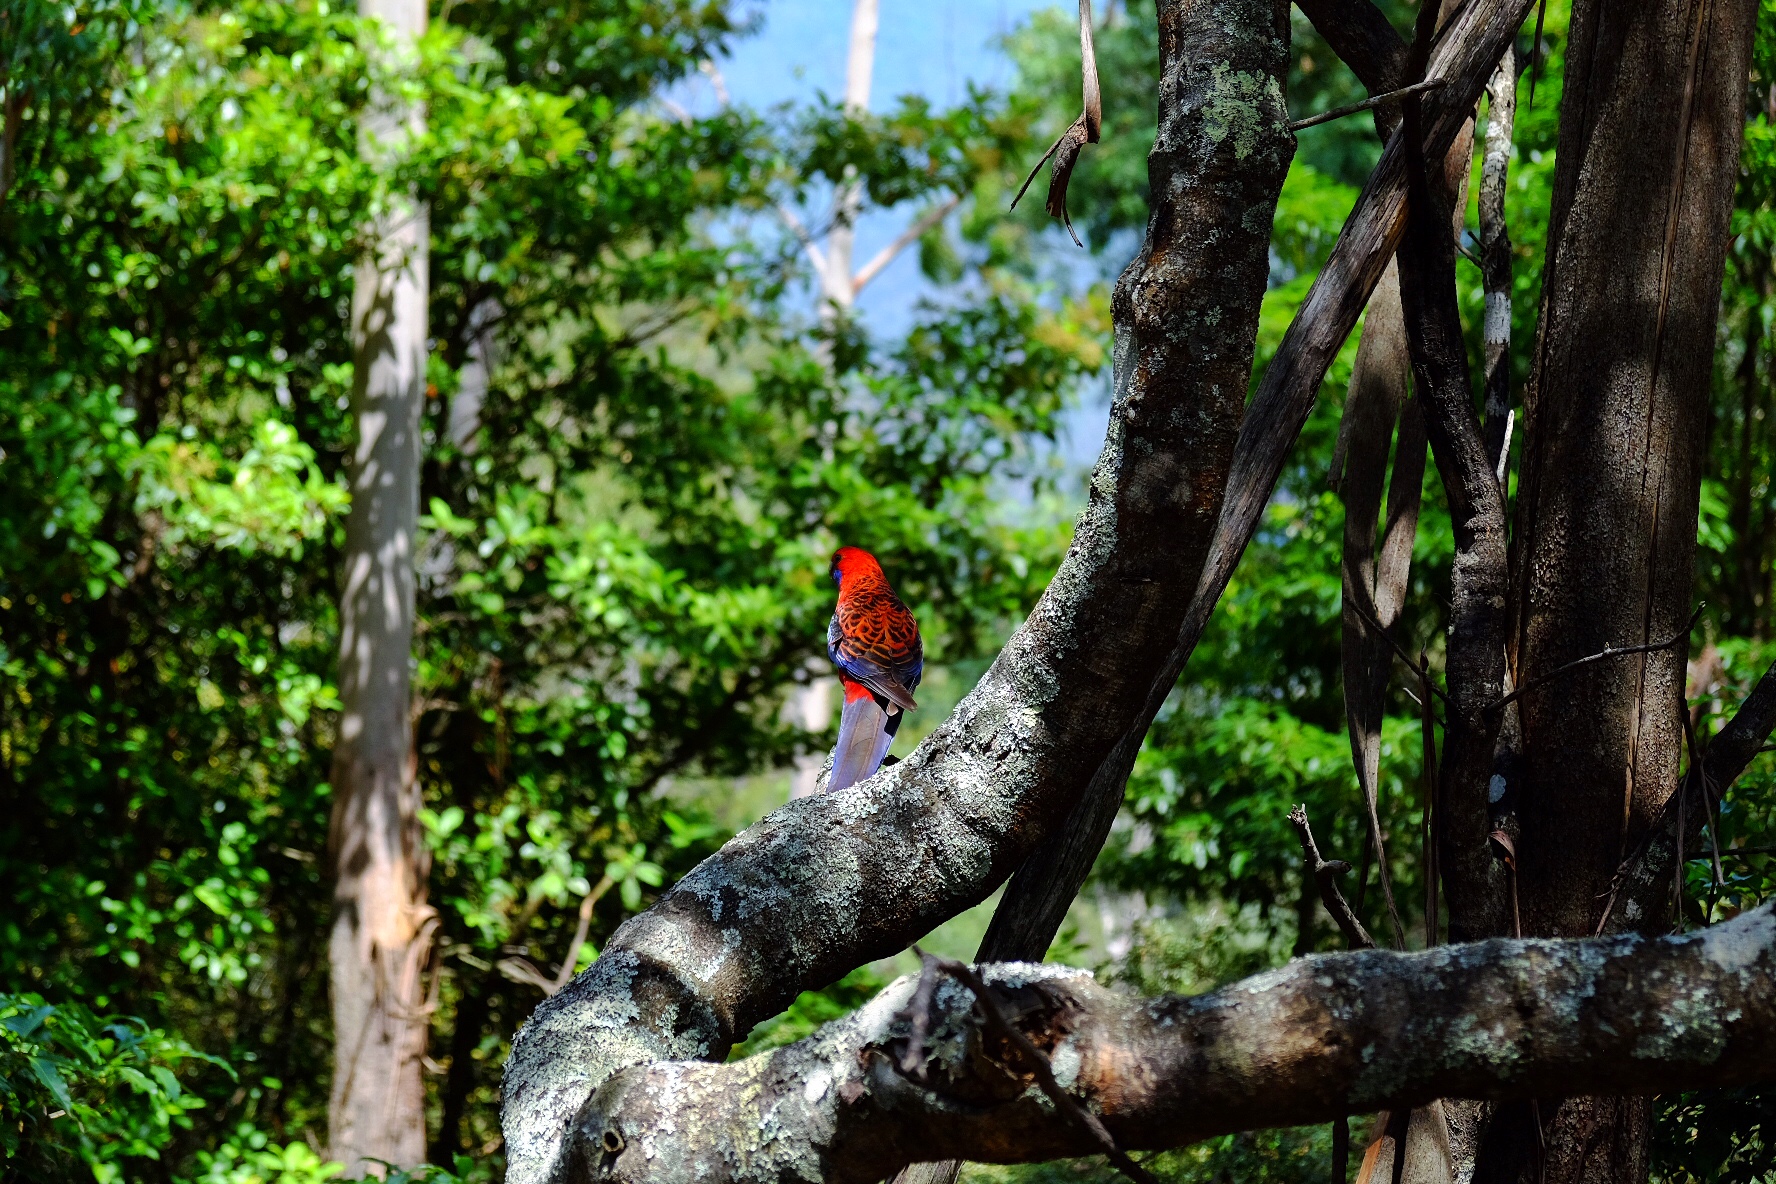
x=1011 y=1015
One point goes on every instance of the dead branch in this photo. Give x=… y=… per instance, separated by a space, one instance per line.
x=1325 y=873
x=1084 y=130
x=1368 y=104
x=1614 y=651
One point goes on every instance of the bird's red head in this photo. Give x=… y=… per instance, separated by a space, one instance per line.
x=851 y=561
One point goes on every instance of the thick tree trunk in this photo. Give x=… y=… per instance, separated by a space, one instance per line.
x=381 y=938
x=1617 y=412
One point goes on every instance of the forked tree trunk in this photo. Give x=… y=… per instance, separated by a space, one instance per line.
x=1617 y=412
x=381 y=937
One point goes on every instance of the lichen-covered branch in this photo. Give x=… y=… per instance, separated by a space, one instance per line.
x=1321 y=1037
x=827 y=883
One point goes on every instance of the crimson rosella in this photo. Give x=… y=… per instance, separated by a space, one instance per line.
x=874 y=642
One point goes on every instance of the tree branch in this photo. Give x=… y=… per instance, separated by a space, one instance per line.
x=1325 y=1036
x=826 y=883
x=1613 y=651
x=907 y=238
x=1325 y=873
x=1480 y=576
x=1037 y=899
x=1363 y=37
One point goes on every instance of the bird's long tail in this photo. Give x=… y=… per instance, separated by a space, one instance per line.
x=865 y=732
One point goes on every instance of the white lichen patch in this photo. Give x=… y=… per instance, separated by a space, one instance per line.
x=1065 y=1061
x=1012 y=975
x=1742 y=943
x=1687 y=1028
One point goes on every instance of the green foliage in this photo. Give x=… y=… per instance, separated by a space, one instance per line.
x=622 y=566
x=78 y=1090
x=248 y=1156
x=623 y=551
x=810 y=1010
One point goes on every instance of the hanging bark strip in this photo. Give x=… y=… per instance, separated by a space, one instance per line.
x=1374 y=590
x=1081 y=132
x=1495 y=260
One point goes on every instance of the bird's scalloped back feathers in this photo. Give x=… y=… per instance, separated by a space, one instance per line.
x=873 y=637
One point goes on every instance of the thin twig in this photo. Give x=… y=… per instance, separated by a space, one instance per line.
x=566 y=970
x=918 y=1014
x=908 y=237
x=1324 y=872
x=1368 y=104
x=1038 y=1064
x=1609 y=652
x=1712 y=817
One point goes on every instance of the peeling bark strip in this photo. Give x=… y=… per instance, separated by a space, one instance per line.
x=825 y=884
x=1322 y=1037
x=1379 y=386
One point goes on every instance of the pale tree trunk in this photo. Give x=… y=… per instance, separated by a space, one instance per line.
x=1616 y=419
x=381 y=937
x=837 y=287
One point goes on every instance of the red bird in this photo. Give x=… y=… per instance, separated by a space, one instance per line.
x=874 y=642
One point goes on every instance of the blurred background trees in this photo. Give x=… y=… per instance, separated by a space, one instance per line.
x=641 y=439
